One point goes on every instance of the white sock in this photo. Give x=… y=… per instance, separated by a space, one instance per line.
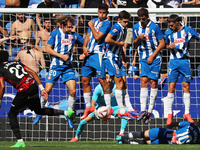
x=107 y=99
x=76 y=137
x=186 y=100
x=143 y=98
x=153 y=97
x=130 y=135
x=42 y=102
x=170 y=101
x=20 y=140
x=127 y=100
x=87 y=97
x=119 y=98
x=121 y=131
x=71 y=101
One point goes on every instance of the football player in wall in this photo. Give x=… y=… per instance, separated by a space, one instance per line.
x=98 y=99
x=24 y=80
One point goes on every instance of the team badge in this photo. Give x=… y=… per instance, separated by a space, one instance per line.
x=49 y=77
x=70 y=37
x=117 y=71
x=148 y=31
x=184 y=34
x=99 y=25
x=112 y=96
x=114 y=30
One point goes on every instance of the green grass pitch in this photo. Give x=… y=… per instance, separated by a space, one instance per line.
x=94 y=145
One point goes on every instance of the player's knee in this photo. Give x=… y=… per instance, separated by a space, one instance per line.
x=85 y=81
x=73 y=92
x=12 y=114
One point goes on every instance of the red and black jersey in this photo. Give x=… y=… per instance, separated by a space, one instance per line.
x=14 y=73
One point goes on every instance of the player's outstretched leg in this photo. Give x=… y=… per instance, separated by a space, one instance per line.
x=87 y=112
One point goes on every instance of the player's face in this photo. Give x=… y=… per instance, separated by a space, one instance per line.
x=20 y=17
x=124 y=22
x=67 y=28
x=47 y=24
x=144 y=20
x=102 y=14
x=108 y=79
x=173 y=26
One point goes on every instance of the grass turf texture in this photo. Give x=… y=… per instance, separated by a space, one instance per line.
x=95 y=145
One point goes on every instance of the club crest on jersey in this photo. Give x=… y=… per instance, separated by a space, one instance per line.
x=117 y=71
x=99 y=25
x=70 y=37
x=114 y=30
x=148 y=31
x=112 y=96
x=184 y=34
x=180 y=40
x=49 y=77
x=66 y=41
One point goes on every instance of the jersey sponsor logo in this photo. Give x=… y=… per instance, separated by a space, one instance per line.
x=146 y=36
x=97 y=29
x=114 y=30
x=180 y=40
x=66 y=41
x=99 y=25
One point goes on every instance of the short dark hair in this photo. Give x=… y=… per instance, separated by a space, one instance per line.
x=64 y=19
x=31 y=41
x=124 y=15
x=173 y=18
x=143 y=12
x=103 y=6
x=3 y=56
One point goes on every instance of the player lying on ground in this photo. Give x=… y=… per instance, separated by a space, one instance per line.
x=24 y=80
x=188 y=133
x=98 y=98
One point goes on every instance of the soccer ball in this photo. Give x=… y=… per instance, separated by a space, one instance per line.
x=103 y=112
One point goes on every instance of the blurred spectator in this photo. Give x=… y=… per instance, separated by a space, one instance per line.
x=43 y=36
x=130 y=3
x=6 y=18
x=24 y=3
x=23 y=27
x=46 y=4
x=31 y=57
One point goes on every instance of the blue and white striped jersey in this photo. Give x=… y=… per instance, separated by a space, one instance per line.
x=119 y=34
x=181 y=39
x=98 y=95
x=100 y=26
x=188 y=133
x=153 y=34
x=63 y=43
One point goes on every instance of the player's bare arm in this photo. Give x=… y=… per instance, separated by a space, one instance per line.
x=85 y=49
x=109 y=40
x=97 y=35
x=158 y=49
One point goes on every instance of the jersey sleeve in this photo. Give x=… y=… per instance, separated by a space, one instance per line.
x=51 y=40
x=114 y=31
x=79 y=39
x=167 y=37
x=184 y=123
x=194 y=33
x=105 y=28
x=134 y=33
x=159 y=34
x=97 y=93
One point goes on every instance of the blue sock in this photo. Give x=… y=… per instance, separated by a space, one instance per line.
x=124 y=123
x=80 y=128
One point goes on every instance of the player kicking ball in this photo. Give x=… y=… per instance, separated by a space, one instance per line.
x=188 y=133
x=24 y=80
x=98 y=98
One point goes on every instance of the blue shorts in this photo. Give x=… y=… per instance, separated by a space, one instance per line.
x=65 y=71
x=93 y=65
x=115 y=111
x=115 y=67
x=151 y=71
x=179 y=67
x=160 y=135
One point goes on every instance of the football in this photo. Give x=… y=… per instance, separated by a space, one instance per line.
x=103 y=112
